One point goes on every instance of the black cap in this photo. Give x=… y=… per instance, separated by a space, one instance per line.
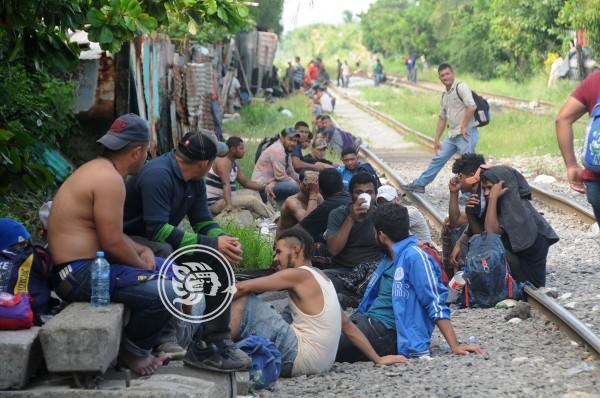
x=125 y=130
x=202 y=145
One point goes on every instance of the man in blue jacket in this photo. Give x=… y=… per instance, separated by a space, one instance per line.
x=405 y=297
x=352 y=166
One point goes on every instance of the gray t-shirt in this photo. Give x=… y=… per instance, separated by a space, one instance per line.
x=361 y=245
x=452 y=108
x=418 y=225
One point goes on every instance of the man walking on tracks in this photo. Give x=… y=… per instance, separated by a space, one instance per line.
x=457 y=110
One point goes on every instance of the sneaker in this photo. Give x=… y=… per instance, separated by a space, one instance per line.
x=412 y=187
x=209 y=357
x=227 y=348
x=172 y=350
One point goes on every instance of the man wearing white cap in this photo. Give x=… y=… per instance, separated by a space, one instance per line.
x=417 y=223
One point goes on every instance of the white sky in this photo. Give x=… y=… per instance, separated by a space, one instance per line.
x=297 y=13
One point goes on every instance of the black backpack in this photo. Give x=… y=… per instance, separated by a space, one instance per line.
x=264 y=144
x=482 y=112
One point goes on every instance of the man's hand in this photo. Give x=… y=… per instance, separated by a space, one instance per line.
x=455 y=256
x=230 y=247
x=269 y=191
x=392 y=359
x=498 y=190
x=465 y=349
x=357 y=211
x=574 y=174
x=148 y=256
x=465 y=132
x=437 y=146
x=454 y=184
x=472 y=201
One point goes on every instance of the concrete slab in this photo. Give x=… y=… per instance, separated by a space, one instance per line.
x=21 y=357
x=82 y=338
x=172 y=381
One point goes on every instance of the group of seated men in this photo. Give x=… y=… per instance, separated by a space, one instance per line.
x=369 y=255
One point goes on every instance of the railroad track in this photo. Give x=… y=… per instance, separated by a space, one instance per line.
x=541 y=194
x=521 y=104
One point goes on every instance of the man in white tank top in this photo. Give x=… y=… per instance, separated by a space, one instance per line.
x=308 y=344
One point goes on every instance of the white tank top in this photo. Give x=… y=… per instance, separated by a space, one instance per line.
x=318 y=335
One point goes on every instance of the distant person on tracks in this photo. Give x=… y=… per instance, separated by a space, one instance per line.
x=298 y=74
x=352 y=165
x=508 y=212
x=457 y=109
x=308 y=339
x=346 y=72
x=405 y=298
x=585 y=98
x=378 y=72
x=339 y=73
x=274 y=167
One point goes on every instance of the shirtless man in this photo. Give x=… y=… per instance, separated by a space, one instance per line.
x=298 y=206
x=309 y=343
x=86 y=217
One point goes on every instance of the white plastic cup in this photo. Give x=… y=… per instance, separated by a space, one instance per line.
x=367 y=198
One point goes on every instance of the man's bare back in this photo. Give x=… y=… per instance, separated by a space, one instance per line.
x=289 y=210
x=72 y=233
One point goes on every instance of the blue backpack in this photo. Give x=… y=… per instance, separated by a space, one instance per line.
x=590 y=155
x=266 y=361
x=486 y=272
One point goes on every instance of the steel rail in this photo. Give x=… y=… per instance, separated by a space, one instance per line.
x=541 y=194
x=566 y=322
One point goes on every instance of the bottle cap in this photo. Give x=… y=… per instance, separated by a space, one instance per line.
x=99 y=254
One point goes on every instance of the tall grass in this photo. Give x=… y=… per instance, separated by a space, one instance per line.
x=258 y=249
x=510 y=132
x=261 y=119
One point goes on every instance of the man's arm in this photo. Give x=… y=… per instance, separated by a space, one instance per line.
x=337 y=235
x=453 y=208
x=281 y=280
x=300 y=164
x=571 y=111
x=466 y=96
x=360 y=341
x=492 y=224
x=222 y=168
x=439 y=129
x=447 y=331
x=108 y=205
x=248 y=184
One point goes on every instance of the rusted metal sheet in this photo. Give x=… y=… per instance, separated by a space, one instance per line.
x=95 y=86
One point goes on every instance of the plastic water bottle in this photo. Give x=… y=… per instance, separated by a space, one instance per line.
x=100 y=281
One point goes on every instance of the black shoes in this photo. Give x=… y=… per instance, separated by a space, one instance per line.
x=412 y=187
x=220 y=357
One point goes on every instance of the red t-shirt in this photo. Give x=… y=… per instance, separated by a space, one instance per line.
x=587 y=93
x=313 y=72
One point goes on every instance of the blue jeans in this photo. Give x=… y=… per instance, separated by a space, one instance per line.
x=450 y=146
x=148 y=314
x=260 y=319
x=285 y=189
x=473 y=139
x=593 y=196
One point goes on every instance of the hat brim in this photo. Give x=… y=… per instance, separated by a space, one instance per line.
x=112 y=142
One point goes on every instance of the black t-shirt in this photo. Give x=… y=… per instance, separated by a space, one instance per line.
x=310 y=159
x=361 y=245
x=316 y=222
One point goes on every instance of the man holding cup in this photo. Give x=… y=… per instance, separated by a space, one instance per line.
x=351 y=239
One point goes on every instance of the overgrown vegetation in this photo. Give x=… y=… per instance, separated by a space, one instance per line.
x=510 y=133
x=258 y=249
x=488 y=38
x=261 y=119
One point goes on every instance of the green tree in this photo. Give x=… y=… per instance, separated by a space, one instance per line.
x=267 y=15
x=584 y=15
x=347 y=16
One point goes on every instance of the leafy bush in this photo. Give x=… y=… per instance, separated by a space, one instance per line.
x=33 y=108
x=258 y=249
